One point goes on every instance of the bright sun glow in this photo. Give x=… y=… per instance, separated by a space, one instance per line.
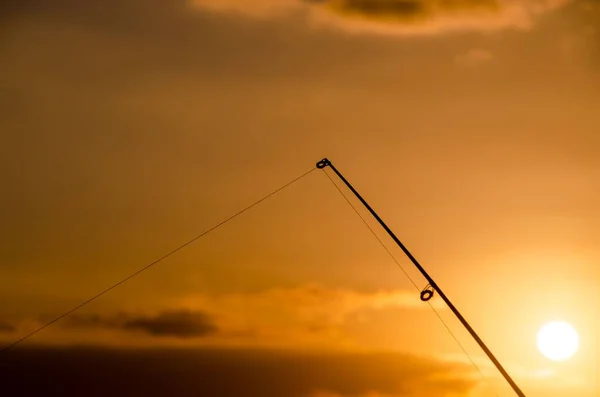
x=558 y=340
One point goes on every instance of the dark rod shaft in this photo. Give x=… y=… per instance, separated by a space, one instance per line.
x=324 y=163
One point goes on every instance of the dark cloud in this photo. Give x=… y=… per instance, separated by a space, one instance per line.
x=181 y=324
x=178 y=324
x=434 y=17
x=411 y=9
x=75 y=372
x=6 y=327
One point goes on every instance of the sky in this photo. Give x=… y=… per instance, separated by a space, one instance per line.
x=131 y=126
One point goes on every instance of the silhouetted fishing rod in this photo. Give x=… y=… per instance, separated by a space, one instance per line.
x=428 y=292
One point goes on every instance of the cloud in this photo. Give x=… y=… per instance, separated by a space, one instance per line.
x=396 y=17
x=6 y=327
x=248 y=373
x=314 y=300
x=178 y=324
x=181 y=324
x=400 y=17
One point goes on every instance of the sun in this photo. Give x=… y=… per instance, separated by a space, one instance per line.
x=558 y=340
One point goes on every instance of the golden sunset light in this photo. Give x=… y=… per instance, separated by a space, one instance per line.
x=300 y=198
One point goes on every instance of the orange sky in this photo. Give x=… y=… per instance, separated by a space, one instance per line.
x=471 y=127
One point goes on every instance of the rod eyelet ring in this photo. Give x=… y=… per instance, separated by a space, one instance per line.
x=323 y=163
x=427 y=293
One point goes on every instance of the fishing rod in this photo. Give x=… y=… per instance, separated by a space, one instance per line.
x=432 y=287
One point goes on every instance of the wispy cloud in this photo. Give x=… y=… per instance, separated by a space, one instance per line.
x=312 y=301
x=399 y=17
x=255 y=7
x=301 y=312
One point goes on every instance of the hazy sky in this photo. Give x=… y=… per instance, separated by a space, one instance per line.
x=472 y=126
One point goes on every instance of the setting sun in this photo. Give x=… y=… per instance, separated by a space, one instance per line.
x=558 y=341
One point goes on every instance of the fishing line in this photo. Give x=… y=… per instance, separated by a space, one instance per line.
x=483 y=377
x=143 y=269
